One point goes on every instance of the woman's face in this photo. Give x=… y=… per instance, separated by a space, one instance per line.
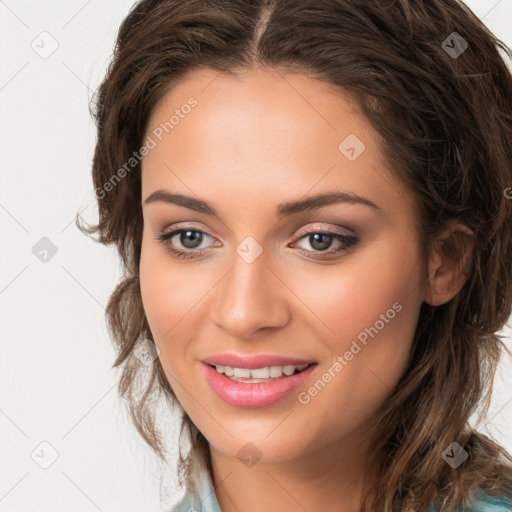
x=333 y=282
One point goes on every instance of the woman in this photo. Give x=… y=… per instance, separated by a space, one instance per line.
x=310 y=202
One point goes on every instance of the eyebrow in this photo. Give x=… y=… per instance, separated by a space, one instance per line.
x=282 y=210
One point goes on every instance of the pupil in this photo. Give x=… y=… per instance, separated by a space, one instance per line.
x=324 y=241
x=190 y=234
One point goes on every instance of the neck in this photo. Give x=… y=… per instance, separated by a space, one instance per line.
x=330 y=479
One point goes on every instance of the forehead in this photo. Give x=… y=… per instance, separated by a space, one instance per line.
x=264 y=132
x=261 y=104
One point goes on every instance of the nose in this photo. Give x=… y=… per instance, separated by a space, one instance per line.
x=249 y=298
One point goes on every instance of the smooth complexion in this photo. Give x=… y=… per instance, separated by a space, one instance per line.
x=250 y=145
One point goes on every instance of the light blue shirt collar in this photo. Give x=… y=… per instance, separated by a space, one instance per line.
x=204 y=498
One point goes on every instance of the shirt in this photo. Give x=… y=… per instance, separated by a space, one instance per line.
x=205 y=500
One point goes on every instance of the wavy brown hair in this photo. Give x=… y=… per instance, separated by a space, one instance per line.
x=445 y=123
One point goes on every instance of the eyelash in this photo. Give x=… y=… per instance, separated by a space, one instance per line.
x=347 y=241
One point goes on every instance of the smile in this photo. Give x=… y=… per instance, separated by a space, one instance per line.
x=255 y=387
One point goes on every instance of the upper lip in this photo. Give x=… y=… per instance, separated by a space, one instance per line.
x=254 y=361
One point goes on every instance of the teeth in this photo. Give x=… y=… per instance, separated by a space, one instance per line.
x=259 y=373
x=241 y=372
x=276 y=371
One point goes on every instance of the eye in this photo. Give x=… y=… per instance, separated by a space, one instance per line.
x=187 y=242
x=190 y=239
x=322 y=241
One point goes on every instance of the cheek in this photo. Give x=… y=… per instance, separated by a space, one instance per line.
x=168 y=294
x=369 y=297
x=371 y=316
x=175 y=299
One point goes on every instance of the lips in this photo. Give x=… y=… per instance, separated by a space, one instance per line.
x=254 y=395
x=254 y=361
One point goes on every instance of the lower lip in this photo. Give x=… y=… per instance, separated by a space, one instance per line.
x=259 y=394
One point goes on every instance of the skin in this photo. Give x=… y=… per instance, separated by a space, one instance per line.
x=250 y=144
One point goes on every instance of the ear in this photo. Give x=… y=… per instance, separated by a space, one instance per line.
x=449 y=263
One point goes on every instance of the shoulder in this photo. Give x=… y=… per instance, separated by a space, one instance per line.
x=197 y=502
x=499 y=499
x=486 y=502
x=483 y=502
x=186 y=504
x=203 y=498
x=494 y=493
